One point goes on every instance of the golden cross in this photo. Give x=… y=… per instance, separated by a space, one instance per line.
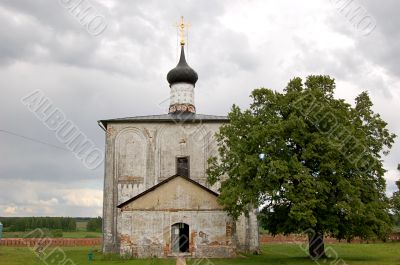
x=182 y=26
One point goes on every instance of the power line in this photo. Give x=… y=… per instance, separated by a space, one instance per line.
x=33 y=140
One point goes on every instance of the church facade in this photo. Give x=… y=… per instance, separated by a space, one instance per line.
x=157 y=202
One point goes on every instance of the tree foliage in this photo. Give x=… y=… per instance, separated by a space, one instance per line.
x=94 y=225
x=311 y=162
x=21 y=224
x=395 y=200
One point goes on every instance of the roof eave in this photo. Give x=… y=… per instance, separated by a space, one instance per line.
x=170 y=120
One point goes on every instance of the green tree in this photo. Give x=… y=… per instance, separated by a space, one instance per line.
x=310 y=162
x=94 y=224
x=395 y=200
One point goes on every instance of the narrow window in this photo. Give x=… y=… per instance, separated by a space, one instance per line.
x=182 y=166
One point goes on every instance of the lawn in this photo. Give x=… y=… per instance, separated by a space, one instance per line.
x=290 y=254
x=78 y=255
x=81 y=234
x=81 y=225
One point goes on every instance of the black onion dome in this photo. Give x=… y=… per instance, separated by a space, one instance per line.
x=182 y=72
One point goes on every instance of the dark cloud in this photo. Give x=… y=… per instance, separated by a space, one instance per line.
x=381 y=45
x=122 y=72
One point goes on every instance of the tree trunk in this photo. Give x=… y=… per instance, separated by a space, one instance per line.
x=316 y=245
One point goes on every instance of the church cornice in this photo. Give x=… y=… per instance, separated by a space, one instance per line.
x=183 y=117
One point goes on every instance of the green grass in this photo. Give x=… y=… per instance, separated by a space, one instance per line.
x=78 y=255
x=12 y=234
x=289 y=254
x=81 y=234
x=81 y=225
x=292 y=254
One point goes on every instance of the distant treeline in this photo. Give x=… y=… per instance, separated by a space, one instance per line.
x=18 y=224
x=94 y=224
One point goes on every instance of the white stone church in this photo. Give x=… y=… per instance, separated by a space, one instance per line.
x=157 y=202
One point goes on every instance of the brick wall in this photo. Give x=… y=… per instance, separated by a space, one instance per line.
x=14 y=242
x=269 y=239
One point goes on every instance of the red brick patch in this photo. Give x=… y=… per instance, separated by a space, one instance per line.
x=14 y=242
x=269 y=239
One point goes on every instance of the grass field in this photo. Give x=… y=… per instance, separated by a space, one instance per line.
x=81 y=225
x=290 y=254
x=81 y=234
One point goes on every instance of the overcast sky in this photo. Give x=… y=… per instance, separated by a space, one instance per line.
x=120 y=70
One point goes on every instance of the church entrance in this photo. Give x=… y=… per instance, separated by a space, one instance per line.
x=180 y=238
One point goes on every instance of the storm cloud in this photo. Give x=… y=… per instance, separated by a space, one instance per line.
x=235 y=46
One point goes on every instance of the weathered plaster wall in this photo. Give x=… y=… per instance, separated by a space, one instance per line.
x=148 y=233
x=247 y=233
x=147 y=222
x=140 y=155
x=176 y=194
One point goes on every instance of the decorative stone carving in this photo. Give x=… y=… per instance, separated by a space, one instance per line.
x=182 y=108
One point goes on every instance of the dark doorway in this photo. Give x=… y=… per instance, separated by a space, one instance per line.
x=182 y=166
x=180 y=238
